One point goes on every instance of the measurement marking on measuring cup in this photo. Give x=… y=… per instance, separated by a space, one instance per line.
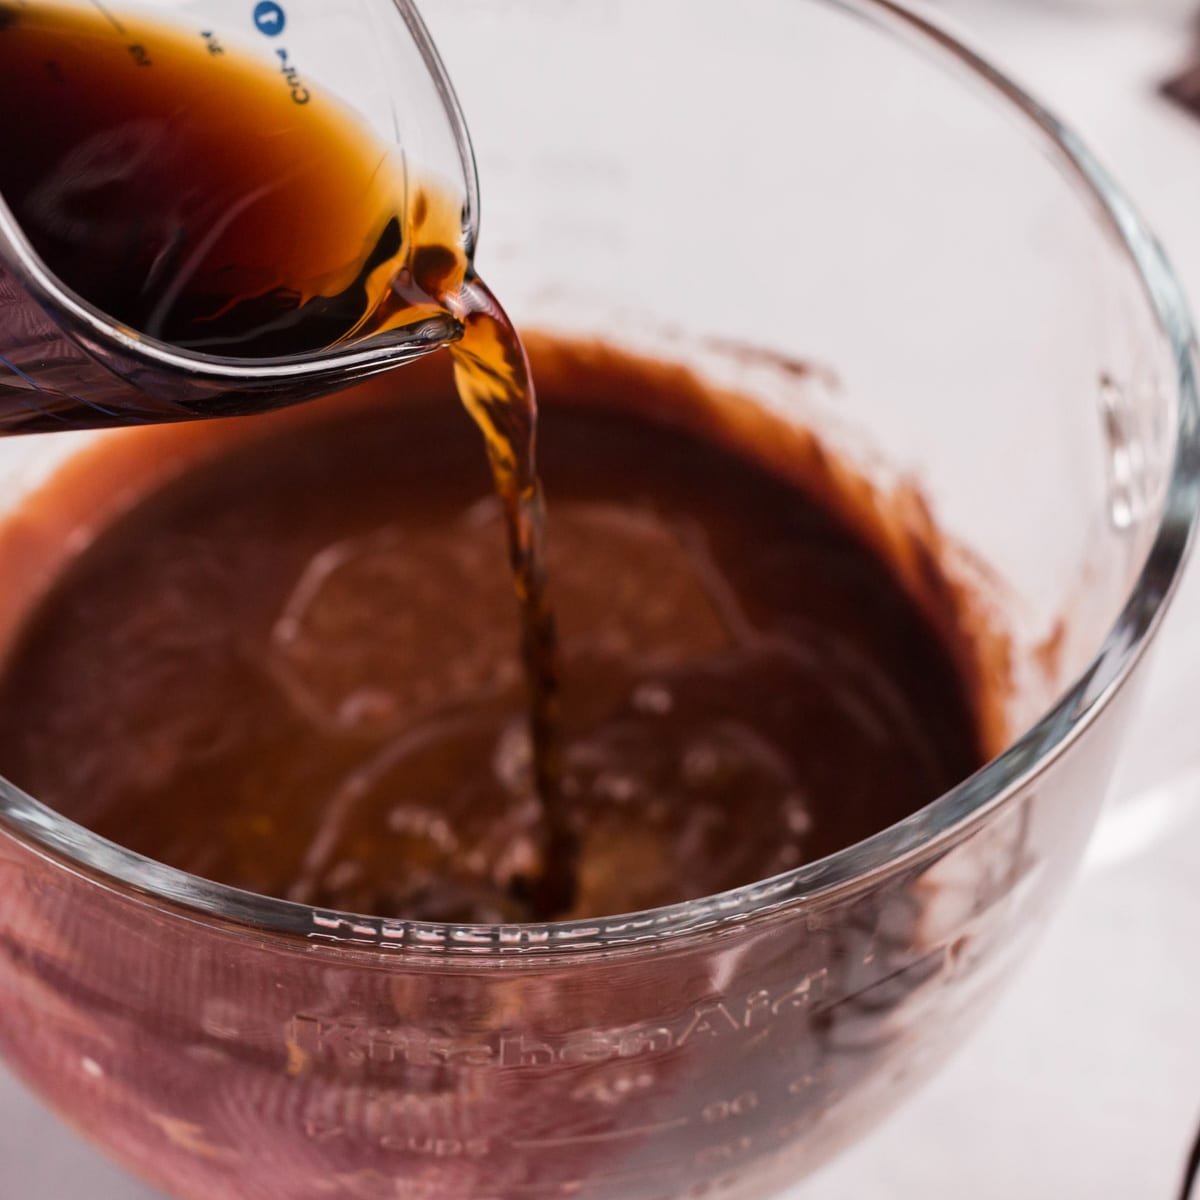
x=141 y=56
x=612 y=1135
x=300 y=94
x=269 y=18
x=108 y=16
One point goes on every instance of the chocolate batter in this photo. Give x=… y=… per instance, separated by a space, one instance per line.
x=292 y=668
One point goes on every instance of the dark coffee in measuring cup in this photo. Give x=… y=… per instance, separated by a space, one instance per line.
x=191 y=193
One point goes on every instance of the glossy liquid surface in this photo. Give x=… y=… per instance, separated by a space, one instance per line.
x=291 y=668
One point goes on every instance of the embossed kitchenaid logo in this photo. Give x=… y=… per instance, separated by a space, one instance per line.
x=350 y=1043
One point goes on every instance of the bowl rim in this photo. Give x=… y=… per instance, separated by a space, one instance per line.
x=77 y=850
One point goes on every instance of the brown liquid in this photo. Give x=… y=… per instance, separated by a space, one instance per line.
x=289 y=669
x=196 y=195
x=203 y=200
x=493 y=380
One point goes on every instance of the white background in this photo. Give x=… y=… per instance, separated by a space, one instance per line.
x=1085 y=1082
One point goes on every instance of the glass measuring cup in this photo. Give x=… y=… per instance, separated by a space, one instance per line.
x=1002 y=330
x=66 y=364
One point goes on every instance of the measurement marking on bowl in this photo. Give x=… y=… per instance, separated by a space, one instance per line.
x=589 y=1138
x=564 y=1187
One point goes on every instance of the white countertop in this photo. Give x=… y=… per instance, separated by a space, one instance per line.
x=1085 y=1081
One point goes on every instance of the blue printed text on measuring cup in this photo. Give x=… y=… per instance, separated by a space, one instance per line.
x=269 y=18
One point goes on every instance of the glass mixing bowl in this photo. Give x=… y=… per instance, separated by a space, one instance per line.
x=839 y=211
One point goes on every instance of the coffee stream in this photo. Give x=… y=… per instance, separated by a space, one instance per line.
x=492 y=375
x=186 y=191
